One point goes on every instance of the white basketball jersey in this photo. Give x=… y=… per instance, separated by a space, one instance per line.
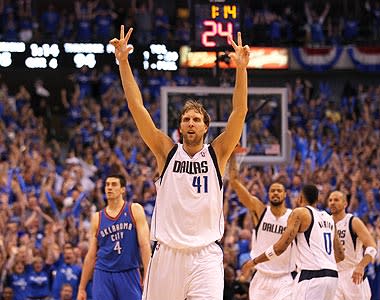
x=316 y=245
x=268 y=231
x=353 y=247
x=189 y=204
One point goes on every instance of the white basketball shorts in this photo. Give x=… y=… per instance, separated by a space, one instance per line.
x=267 y=287
x=191 y=274
x=348 y=290
x=315 y=285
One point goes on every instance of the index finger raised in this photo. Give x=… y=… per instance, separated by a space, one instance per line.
x=121 y=32
x=239 y=39
x=232 y=42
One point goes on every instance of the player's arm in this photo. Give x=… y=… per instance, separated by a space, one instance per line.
x=89 y=261
x=370 y=249
x=225 y=143
x=293 y=226
x=297 y=217
x=142 y=234
x=338 y=248
x=249 y=201
x=158 y=142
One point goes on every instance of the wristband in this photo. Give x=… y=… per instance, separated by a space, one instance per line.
x=371 y=251
x=269 y=253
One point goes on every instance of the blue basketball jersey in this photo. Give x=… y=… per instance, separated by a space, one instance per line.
x=118 y=248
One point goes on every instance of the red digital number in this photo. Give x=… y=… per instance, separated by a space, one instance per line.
x=209 y=33
x=229 y=30
x=215 y=28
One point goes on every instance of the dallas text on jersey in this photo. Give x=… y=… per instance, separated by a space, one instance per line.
x=190 y=167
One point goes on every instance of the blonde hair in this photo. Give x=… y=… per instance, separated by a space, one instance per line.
x=198 y=107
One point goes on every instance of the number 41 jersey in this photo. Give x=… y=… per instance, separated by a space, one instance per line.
x=189 y=204
x=117 y=241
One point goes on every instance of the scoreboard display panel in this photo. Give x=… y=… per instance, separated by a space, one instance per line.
x=214 y=21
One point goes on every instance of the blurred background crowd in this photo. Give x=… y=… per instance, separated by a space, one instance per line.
x=263 y=22
x=53 y=165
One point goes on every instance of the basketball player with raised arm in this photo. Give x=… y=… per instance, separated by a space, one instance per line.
x=188 y=217
x=272 y=279
x=119 y=241
x=318 y=248
x=353 y=235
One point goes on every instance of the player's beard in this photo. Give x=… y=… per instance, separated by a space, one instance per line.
x=276 y=203
x=334 y=210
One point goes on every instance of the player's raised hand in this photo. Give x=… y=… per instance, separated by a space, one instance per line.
x=122 y=49
x=241 y=54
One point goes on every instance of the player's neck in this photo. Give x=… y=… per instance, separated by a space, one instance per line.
x=278 y=211
x=114 y=206
x=310 y=205
x=339 y=216
x=191 y=150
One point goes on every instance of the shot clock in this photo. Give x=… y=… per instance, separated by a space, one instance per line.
x=214 y=20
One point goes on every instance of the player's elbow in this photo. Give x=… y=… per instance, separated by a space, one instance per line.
x=234 y=183
x=279 y=249
x=145 y=248
x=144 y=244
x=90 y=259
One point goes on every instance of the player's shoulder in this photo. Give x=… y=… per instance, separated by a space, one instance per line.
x=298 y=211
x=95 y=221
x=302 y=213
x=136 y=206
x=356 y=222
x=137 y=210
x=96 y=216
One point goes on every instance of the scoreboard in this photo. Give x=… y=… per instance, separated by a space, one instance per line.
x=214 y=21
x=56 y=56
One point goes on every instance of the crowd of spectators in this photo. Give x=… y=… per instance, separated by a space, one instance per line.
x=276 y=22
x=48 y=189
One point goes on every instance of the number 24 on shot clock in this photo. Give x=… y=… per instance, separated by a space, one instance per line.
x=214 y=21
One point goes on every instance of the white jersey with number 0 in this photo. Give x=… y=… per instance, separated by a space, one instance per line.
x=315 y=245
x=189 y=204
